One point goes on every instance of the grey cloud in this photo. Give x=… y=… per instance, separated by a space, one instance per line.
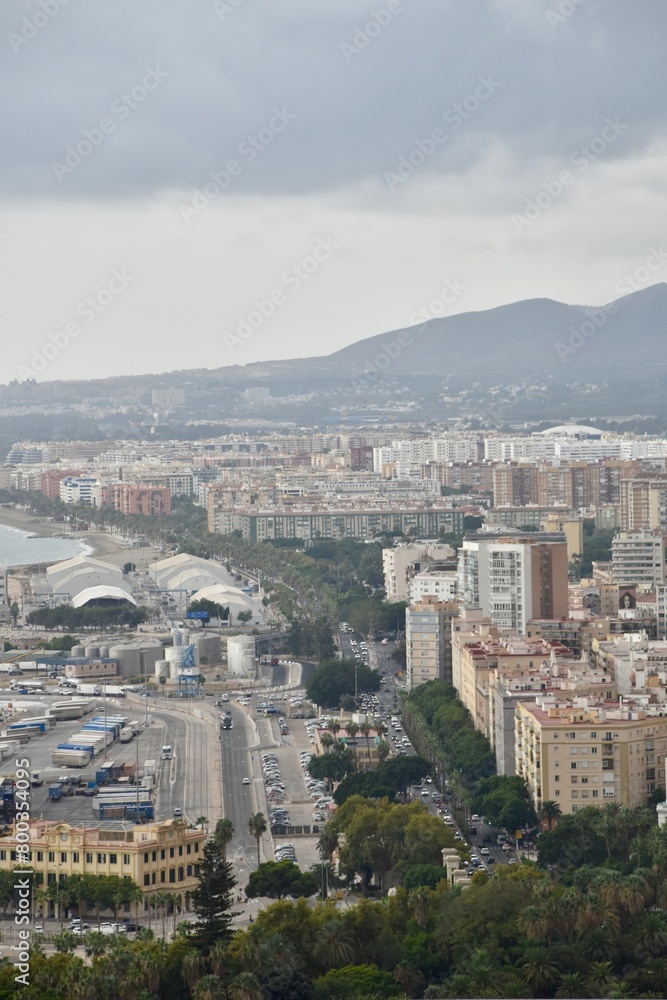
x=353 y=119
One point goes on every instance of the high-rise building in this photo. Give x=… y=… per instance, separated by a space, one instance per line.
x=638 y=558
x=514 y=578
x=428 y=641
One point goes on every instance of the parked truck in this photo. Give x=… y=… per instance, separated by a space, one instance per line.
x=36 y=779
x=70 y=758
x=126 y=735
x=55 y=791
x=94 y=689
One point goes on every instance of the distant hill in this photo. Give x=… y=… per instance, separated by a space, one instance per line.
x=532 y=337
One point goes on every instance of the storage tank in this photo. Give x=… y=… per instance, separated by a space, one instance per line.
x=104 y=652
x=209 y=647
x=77 y=651
x=92 y=651
x=241 y=655
x=161 y=669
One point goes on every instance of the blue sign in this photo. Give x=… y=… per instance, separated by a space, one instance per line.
x=203 y=615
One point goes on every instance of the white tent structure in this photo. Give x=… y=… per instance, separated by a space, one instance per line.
x=101 y=593
x=224 y=595
x=81 y=573
x=184 y=572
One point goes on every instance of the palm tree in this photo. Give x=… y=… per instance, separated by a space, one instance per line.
x=327 y=741
x=218 y=956
x=651 y=933
x=245 y=986
x=539 y=969
x=209 y=988
x=366 y=729
x=334 y=947
x=95 y=944
x=384 y=751
x=334 y=727
x=352 y=728
x=549 y=814
x=160 y=901
x=65 y=942
x=327 y=842
x=257 y=827
x=572 y=987
x=192 y=967
x=223 y=835
x=202 y=822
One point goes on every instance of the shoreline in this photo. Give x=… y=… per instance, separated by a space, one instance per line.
x=106 y=548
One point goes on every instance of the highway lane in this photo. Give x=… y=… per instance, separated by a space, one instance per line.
x=241 y=801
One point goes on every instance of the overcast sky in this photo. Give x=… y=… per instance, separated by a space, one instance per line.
x=373 y=160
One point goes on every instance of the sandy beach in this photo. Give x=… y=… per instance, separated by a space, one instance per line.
x=108 y=548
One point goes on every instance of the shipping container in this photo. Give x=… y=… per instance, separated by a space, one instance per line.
x=70 y=758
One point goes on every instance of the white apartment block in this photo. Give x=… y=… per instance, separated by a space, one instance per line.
x=401 y=563
x=512 y=580
x=638 y=558
x=79 y=489
x=441 y=584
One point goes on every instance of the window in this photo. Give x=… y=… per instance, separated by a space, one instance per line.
x=180 y=874
x=3 y=855
x=188 y=849
x=146 y=857
x=595 y=793
x=197 y=848
x=89 y=858
x=171 y=852
x=147 y=880
x=594 y=749
x=573 y=765
x=557 y=778
x=163 y=877
x=188 y=870
x=75 y=857
x=172 y=874
x=101 y=859
x=154 y=856
x=113 y=859
x=162 y=854
x=180 y=851
x=153 y=878
x=52 y=856
x=126 y=859
x=40 y=855
x=63 y=857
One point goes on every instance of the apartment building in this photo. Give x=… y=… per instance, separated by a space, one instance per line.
x=78 y=489
x=402 y=562
x=509 y=687
x=156 y=856
x=638 y=558
x=50 y=480
x=581 y=755
x=514 y=485
x=441 y=584
x=428 y=641
x=148 y=500
x=514 y=578
x=337 y=520
x=643 y=503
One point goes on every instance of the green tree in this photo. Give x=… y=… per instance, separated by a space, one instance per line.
x=257 y=828
x=223 y=835
x=276 y=879
x=212 y=899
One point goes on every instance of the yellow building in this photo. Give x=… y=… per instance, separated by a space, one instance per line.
x=158 y=857
x=582 y=757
